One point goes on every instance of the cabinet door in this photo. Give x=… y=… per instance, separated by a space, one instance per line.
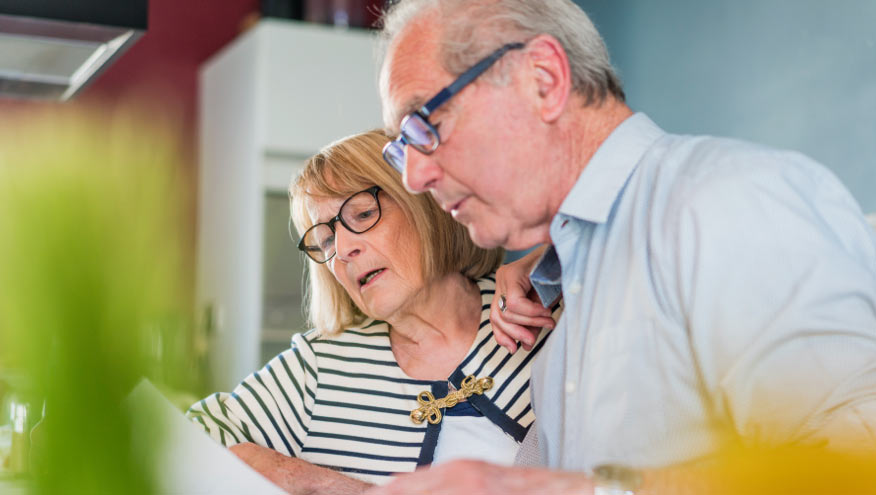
x=282 y=281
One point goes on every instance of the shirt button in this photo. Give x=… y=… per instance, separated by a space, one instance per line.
x=575 y=288
x=570 y=387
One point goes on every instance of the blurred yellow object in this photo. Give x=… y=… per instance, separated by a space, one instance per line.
x=797 y=470
x=89 y=261
x=769 y=471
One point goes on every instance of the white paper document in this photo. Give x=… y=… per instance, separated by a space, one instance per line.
x=190 y=462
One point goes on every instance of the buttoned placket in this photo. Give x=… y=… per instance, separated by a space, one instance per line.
x=571 y=237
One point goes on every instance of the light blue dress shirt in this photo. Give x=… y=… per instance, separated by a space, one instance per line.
x=710 y=286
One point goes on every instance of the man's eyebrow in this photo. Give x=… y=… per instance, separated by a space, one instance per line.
x=410 y=107
x=414 y=105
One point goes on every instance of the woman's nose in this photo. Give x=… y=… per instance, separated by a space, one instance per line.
x=347 y=244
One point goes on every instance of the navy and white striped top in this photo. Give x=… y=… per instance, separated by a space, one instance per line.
x=343 y=402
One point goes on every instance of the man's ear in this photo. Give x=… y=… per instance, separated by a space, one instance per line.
x=551 y=74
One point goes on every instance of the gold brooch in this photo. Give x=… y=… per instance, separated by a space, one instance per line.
x=430 y=408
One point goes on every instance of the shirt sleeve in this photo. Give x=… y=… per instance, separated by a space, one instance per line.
x=271 y=407
x=777 y=279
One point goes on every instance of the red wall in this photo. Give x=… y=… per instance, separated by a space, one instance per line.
x=161 y=71
x=165 y=61
x=163 y=66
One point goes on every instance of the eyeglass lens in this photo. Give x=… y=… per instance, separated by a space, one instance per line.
x=415 y=131
x=394 y=154
x=419 y=134
x=359 y=213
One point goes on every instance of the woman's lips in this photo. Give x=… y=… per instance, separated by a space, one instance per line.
x=370 y=281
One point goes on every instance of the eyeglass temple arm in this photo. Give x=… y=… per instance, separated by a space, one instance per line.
x=466 y=78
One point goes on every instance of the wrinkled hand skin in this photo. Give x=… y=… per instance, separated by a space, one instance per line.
x=294 y=475
x=524 y=315
x=468 y=477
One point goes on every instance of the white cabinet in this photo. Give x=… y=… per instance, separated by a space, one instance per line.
x=270 y=99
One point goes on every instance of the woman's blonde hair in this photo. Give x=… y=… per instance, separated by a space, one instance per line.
x=351 y=165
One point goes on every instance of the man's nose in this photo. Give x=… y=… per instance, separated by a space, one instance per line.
x=421 y=171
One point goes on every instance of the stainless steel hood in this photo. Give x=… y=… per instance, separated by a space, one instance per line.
x=51 y=49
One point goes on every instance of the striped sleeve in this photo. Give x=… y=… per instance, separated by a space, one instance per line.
x=272 y=407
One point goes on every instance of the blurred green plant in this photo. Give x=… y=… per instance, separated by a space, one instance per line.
x=90 y=263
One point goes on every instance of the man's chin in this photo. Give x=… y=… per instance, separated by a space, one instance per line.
x=489 y=238
x=484 y=237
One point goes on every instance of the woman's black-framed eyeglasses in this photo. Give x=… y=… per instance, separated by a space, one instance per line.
x=416 y=130
x=359 y=213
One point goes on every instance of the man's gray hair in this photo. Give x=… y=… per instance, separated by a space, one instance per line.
x=471 y=29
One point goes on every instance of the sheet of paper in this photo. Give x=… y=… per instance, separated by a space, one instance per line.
x=190 y=463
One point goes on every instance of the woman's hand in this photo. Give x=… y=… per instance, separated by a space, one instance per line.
x=294 y=475
x=480 y=478
x=524 y=315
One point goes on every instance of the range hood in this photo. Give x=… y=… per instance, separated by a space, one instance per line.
x=51 y=49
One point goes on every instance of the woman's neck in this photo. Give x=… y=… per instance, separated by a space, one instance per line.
x=432 y=334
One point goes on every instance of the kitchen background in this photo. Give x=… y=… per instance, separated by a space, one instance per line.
x=797 y=74
x=242 y=95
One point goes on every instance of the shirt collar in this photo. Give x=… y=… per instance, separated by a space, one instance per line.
x=601 y=181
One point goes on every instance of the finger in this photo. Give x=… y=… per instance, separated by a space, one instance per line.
x=495 y=303
x=516 y=332
x=521 y=311
x=532 y=337
x=528 y=321
x=502 y=338
x=524 y=306
x=526 y=313
x=418 y=482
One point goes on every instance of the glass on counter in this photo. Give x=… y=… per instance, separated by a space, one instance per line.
x=16 y=421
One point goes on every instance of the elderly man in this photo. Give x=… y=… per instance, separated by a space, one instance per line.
x=714 y=290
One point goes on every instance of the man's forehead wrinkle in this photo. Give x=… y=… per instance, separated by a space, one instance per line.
x=410 y=77
x=411 y=102
x=407 y=82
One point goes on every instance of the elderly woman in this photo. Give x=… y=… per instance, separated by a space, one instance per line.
x=401 y=369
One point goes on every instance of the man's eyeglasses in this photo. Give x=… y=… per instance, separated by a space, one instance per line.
x=358 y=214
x=416 y=130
